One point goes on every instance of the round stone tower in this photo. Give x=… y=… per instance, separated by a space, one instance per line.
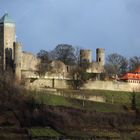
x=17 y=60
x=85 y=56
x=100 y=56
x=7 y=39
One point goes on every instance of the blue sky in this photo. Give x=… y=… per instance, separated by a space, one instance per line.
x=110 y=24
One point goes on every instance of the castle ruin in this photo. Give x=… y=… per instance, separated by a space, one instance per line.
x=11 y=54
x=25 y=64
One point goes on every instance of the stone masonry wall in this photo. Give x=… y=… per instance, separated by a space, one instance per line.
x=100 y=85
x=112 y=85
x=29 y=62
x=48 y=83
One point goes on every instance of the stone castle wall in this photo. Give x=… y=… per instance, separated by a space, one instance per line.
x=48 y=83
x=7 y=39
x=95 y=67
x=1 y=45
x=29 y=62
x=86 y=55
x=112 y=85
x=96 y=98
x=29 y=65
x=100 y=56
x=90 y=85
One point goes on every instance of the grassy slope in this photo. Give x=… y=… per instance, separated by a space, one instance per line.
x=54 y=100
x=49 y=132
x=115 y=101
x=119 y=100
x=118 y=97
x=43 y=132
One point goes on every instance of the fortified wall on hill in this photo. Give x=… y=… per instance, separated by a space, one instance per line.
x=25 y=65
x=11 y=54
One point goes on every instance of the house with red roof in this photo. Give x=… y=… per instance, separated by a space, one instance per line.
x=132 y=77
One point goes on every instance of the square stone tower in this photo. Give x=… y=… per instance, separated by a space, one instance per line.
x=7 y=39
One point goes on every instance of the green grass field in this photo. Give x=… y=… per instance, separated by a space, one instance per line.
x=49 y=132
x=115 y=97
x=44 y=132
x=115 y=101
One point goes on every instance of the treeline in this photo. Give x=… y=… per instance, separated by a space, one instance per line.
x=63 y=52
x=116 y=64
x=69 y=56
x=119 y=64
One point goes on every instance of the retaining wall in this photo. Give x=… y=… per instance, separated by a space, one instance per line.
x=100 y=85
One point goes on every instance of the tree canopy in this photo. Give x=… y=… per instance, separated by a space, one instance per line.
x=64 y=53
x=43 y=55
x=116 y=64
x=134 y=63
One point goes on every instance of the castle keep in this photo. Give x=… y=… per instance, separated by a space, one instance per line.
x=25 y=64
x=11 y=54
x=7 y=39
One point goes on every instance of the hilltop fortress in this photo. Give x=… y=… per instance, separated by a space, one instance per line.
x=25 y=65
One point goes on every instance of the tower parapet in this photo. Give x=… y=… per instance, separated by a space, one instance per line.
x=86 y=56
x=100 y=56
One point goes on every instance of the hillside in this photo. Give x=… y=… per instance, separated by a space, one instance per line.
x=50 y=116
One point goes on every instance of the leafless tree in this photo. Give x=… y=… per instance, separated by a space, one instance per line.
x=64 y=53
x=43 y=55
x=116 y=64
x=134 y=63
x=43 y=66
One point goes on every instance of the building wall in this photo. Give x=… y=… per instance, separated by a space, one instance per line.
x=90 y=85
x=7 y=39
x=96 y=98
x=29 y=65
x=1 y=45
x=58 y=67
x=86 y=55
x=9 y=35
x=48 y=83
x=112 y=85
x=29 y=62
x=100 y=56
x=17 y=60
x=95 y=67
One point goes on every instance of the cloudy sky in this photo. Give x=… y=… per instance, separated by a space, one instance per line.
x=110 y=24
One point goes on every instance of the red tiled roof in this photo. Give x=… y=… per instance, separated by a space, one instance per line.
x=131 y=76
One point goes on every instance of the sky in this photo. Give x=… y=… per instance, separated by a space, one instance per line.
x=87 y=24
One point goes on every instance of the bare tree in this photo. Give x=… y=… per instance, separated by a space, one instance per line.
x=44 y=61
x=79 y=75
x=64 y=53
x=43 y=55
x=77 y=56
x=116 y=64
x=134 y=63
